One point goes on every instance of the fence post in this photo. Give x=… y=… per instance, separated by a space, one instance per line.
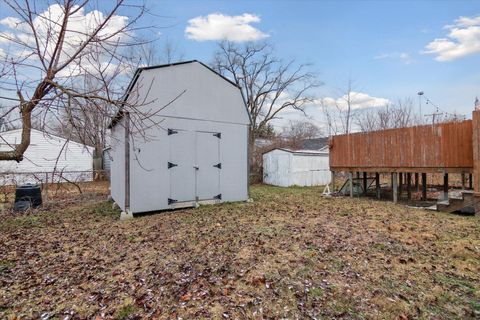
x=46 y=186
x=476 y=160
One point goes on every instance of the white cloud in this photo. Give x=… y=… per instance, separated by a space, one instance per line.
x=405 y=57
x=463 y=39
x=6 y=37
x=217 y=26
x=10 y=22
x=358 y=100
x=80 y=26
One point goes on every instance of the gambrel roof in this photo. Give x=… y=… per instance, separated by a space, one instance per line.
x=142 y=70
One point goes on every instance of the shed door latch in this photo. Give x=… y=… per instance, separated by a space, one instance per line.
x=171 y=165
x=218 y=165
x=218 y=135
x=171 y=131
x=170 y=201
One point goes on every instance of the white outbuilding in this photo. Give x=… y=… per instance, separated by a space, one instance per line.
x=286 y=167
x=191 y=149
x=47 y=157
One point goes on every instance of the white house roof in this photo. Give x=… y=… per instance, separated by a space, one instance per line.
x=4 y=134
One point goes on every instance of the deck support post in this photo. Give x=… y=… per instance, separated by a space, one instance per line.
x=377 y=184
x=463 y=180
x=470 y=182
x=445 y=186
x=333 y=181
x=409 y=186
x=417 y=184
x=394 y=187
x=350 y=178
x=424 y=186
x=400 y=185
x=364 y=183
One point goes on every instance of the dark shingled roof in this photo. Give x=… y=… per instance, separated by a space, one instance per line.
x=314 y=144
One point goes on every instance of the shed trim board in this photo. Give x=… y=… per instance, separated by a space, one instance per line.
x=403 y=169
x=177 y=165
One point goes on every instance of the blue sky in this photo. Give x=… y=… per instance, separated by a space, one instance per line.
x=378 y=43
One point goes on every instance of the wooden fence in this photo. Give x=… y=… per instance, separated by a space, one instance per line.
x=444 y=147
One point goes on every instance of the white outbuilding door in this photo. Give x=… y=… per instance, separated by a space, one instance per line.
x=194 y=166
x=181 y=166
x=209 y=166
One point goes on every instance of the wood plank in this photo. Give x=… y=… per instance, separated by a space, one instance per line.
x=442 y=146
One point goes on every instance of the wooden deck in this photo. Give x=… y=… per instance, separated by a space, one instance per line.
x=452 y=147
x=445 y=147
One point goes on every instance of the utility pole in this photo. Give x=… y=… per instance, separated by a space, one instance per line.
x=434 y=115
x=420 y=94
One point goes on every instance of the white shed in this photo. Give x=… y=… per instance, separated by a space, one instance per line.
x=46 y=155
x=285 y=167
x=198 y=152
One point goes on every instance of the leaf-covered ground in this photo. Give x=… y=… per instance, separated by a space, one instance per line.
x=289 y=254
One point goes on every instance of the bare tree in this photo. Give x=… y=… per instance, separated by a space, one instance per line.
x=397 y=115
x=156 y=52
x=344 y=105
x=50 y=48
x=368 y=120
x=330 y=118
x=270 y=86
x=340 y=112
x=85 y=122
x=298 y=131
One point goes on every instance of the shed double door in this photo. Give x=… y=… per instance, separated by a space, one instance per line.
x=194 y=166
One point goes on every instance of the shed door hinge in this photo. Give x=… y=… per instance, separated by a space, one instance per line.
x=170 y=201
x=218 y=196
x=171 y=131
x=171 y=165
x=218 y=135
x=218 y=165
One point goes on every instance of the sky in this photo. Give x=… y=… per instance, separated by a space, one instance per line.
x=390 y=49
x=381 y=45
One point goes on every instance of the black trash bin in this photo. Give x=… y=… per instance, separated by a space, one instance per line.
x=27 y=196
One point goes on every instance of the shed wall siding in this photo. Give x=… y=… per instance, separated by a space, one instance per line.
x=277 y=168
x=189 y=91
x=150 y=176
x=311 y=170
x=117 y=173
x=284 y=169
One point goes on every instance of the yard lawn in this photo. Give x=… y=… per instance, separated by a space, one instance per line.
x=289 y=254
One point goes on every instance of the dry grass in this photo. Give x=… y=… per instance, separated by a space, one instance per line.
x=290 y=254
